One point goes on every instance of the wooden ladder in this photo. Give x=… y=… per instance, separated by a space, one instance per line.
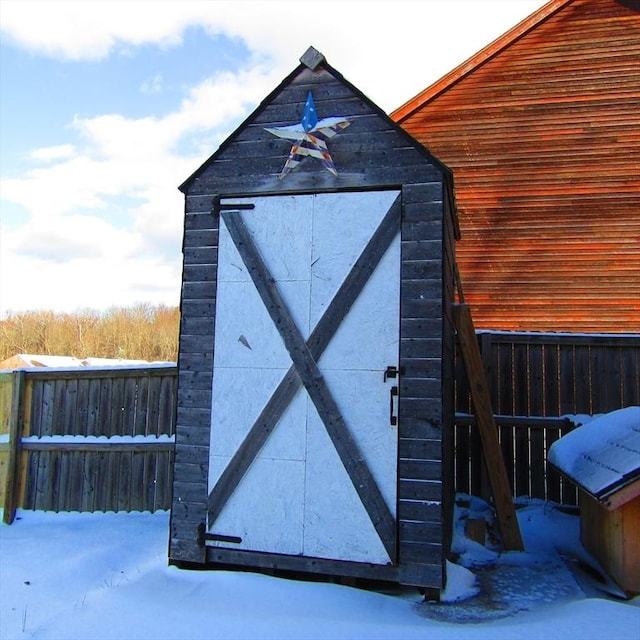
x=496 y=470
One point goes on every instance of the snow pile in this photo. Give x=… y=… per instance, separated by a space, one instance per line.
x=602 y=453
x=75 y=576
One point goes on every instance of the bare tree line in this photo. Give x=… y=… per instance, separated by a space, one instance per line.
x=141 y=332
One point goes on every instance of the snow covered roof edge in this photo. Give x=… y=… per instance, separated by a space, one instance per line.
x=603 y=456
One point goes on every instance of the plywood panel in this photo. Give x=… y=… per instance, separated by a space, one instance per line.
x=335 y=230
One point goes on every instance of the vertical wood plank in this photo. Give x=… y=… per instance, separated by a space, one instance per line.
x=75 y=461
x=462 y=459
x=40 y=494
x=567 y=377
x=519 y=468
x=93 y=407
x=123 y=502
x=31 y=480
x=82 y=406
x=599 y=401
x=537 y=381
x=149 y=481
x=465 y=455
x=62 y=493
x=101 y=491
x=129 y=406
x=70 y=414
x=136 y=497
x=112 y=476
x=59 y=406
x=116 y=415
x=35 y=387
x=166 y=407
x=153 y=405
x=142 y=402
x=613 y=377
x=90 y=480
x=582 y=379
x=104 y=410
x=163 y=479
x=47 y=408
x=631 y=377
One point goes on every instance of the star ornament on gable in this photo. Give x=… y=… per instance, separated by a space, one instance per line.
x=310 y=138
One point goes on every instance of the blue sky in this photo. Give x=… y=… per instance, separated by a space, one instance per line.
x=106 y=107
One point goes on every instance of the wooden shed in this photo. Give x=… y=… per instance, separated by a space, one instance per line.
x=542 y=131
x=603 y=458
x=315 y=395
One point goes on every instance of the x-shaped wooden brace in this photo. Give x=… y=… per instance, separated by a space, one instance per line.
x=304 y=370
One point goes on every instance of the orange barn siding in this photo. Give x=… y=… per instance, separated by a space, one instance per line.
x=543 y=137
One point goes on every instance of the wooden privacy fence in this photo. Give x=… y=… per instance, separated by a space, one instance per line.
x=537 y=380
x=102 y=439
x=87 y=439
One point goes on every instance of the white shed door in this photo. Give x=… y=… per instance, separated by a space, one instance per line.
x=303 y=451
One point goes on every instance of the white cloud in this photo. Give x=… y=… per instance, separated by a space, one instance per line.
x=58 y=152
x=73 y=229
x=90 y=30
x=83 y=282
x=105 y=215
x=391 y=50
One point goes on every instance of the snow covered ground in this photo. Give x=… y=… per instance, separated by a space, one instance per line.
x=72 y=575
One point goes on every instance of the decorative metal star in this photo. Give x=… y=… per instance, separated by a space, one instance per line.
x=309 y=138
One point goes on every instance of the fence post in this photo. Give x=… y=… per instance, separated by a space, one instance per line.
x=12 y=487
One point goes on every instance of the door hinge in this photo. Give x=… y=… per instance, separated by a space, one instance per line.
x=229 y=206
x=203 y=536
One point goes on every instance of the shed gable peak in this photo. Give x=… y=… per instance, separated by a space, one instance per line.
x=291 y=140
x=312 y=58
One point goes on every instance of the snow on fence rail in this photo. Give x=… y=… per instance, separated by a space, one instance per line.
x=542 y=385
x=90 y=439
x=97 y=439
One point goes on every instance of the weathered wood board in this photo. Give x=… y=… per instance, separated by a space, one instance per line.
x=317 y=253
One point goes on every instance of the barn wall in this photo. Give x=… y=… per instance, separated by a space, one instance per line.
x=544 y=141
x=372 y=153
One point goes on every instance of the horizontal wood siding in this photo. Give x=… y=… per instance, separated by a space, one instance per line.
x=370 y=153
x=422 y=420
x=450 y=233
x=544 y=141
x=195 y=377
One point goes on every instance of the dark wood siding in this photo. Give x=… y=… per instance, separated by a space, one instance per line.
x=372 y=153
x=544 y=142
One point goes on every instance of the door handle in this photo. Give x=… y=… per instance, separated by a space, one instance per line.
x=393 y=415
